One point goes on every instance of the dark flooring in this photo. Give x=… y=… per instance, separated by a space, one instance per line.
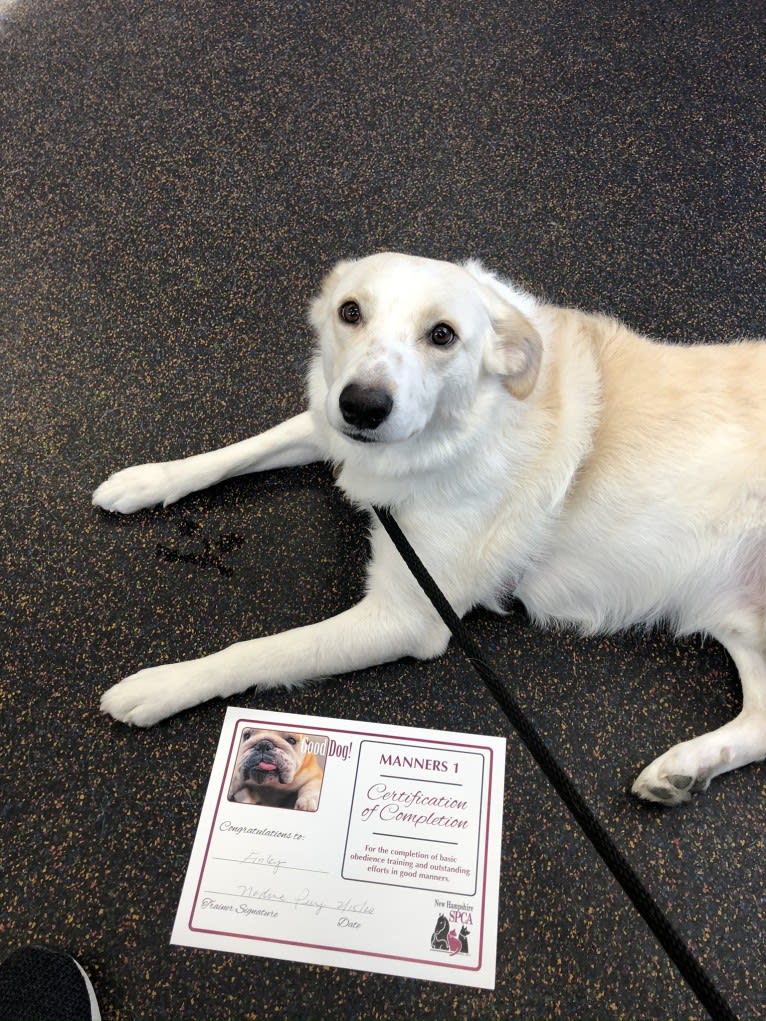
x=176 y=177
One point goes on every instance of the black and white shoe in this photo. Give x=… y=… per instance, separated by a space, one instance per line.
x=39 y=984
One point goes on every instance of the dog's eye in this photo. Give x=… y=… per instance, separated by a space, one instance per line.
x=291 y=740
x=350 y=313
x=247 y=735
x=442 y=335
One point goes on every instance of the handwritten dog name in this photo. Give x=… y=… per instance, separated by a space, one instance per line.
x=268 y=860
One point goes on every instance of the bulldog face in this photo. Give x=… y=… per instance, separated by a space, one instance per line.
x=273 y=768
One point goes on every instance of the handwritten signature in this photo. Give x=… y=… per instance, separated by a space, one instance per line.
x=303 y=898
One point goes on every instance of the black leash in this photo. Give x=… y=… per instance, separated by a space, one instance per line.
x=692 y=971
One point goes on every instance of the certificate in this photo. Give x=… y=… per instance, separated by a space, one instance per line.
x=350 y=844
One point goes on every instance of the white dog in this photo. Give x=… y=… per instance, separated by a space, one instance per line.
x=605 y=479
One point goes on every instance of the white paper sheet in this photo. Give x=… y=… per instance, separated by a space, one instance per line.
x=390 y=862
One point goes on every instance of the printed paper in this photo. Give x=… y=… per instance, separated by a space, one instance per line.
x=349 y=844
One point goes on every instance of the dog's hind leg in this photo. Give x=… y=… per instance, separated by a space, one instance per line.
x=690 y=766
x=376 y=630
x=291 y=443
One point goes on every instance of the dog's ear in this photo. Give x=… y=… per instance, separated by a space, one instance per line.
x=514 y=351
x=513 y=348
x=336 y=273
x=317 y=307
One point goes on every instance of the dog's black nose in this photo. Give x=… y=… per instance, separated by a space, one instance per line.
x=364 y=407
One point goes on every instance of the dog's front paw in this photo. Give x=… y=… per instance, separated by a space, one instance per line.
x=143 y=485
x=307 y=802
x=673 y=777
x=151 y=695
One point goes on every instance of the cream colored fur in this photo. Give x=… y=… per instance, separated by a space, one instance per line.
x=605 y=479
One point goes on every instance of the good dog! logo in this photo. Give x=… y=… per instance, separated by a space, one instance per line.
x=447 y=938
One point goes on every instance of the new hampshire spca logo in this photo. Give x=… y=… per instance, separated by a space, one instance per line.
x=447 y=937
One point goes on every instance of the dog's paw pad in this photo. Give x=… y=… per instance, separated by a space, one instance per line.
x=660 y=790
x=673 y=777
x=681 y=781
x=662 y=794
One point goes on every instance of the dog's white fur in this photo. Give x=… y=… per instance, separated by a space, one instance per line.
x=603 y=478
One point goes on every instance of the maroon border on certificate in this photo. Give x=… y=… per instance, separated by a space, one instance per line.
x=319 y=729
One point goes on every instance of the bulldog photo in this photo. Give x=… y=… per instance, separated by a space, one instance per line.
x=274 y=768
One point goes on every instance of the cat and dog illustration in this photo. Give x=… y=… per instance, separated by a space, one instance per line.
x=444 y=938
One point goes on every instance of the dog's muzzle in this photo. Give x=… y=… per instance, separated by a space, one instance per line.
x=364 y=407
x=262 y=760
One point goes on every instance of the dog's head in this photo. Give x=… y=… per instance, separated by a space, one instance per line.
x=267 y=757
x=406 y=342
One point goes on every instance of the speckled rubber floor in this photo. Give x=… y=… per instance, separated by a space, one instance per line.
x=175 y=178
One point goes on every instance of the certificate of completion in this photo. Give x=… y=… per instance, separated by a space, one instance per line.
x=351 y=844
